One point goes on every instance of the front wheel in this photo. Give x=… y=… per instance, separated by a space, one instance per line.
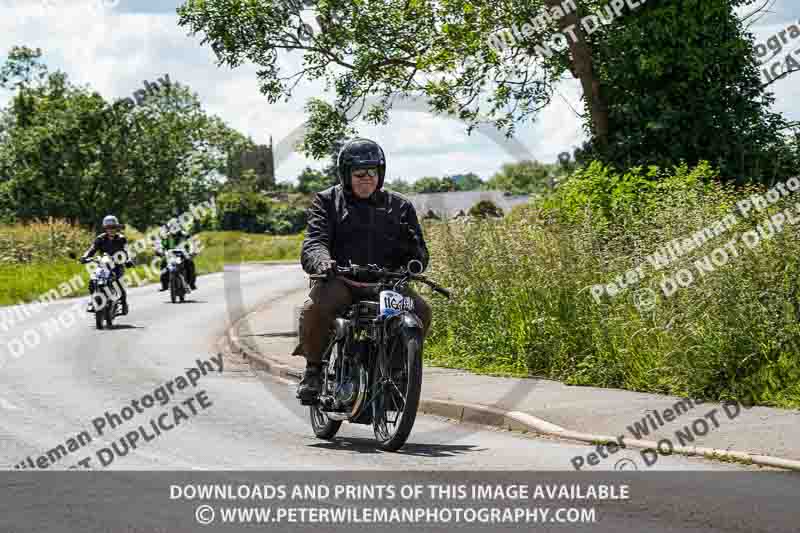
x=98 y=318
x=324 y=427
x=108 y=311
x=399 y=380
x=173 y=296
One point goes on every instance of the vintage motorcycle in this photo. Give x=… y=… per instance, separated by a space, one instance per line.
x=372 y=366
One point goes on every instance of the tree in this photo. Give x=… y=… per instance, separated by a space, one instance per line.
x=525 y=177
x=400 y=185
x=311 y=181
x=429 y=184
x=635 y=71
x=469 y=182
x=66 y=152
x=692 y=91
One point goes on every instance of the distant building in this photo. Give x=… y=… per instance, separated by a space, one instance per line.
x=260 y=160
x=448 y=204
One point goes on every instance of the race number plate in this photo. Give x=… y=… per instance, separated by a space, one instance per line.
x=393 y=303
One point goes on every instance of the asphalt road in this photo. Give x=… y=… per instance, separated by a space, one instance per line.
x=242 y=420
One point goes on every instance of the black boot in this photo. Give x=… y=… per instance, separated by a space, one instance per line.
x=309 y=387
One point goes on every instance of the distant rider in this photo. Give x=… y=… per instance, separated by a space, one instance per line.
x=179 y=240
x=112 y=243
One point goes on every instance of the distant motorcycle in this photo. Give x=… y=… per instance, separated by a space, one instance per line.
x=372 y=368
x=106 y=295
x=176 y=269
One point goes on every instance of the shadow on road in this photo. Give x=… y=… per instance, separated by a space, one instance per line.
x=355 y=444
x=125 y=326
x=186 y=302
x=272 y=334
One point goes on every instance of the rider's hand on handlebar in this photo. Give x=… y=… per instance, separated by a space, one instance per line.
x=328 y=268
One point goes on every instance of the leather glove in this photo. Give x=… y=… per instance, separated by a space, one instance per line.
x=327 y=268
x=128 y=264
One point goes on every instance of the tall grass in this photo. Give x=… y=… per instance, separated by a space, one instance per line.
x=523 y=302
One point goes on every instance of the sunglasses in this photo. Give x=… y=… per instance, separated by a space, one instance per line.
x=371 y=172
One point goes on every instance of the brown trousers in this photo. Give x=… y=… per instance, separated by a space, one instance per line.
x=319 y=312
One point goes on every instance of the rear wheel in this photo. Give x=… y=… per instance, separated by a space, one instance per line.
x=399 y=380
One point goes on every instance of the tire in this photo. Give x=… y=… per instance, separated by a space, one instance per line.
x=99 y=312
x=410 y=341
x=172 y=289
x=324 y=427
x=108 y=311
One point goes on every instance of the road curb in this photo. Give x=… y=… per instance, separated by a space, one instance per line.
x=510 y=420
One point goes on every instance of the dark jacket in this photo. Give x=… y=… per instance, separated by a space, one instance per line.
x=107 y=245
x=381 y=230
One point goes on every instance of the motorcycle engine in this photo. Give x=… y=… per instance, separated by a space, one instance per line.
x=347 y=391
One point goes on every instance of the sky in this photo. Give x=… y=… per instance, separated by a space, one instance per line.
x=114 y=46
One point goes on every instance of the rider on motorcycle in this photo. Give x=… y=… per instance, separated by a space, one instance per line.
x=112 y=243
x=353 y=222
x=179 y=240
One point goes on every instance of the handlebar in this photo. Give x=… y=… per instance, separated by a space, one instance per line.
x=385 y=273
x=98 y=260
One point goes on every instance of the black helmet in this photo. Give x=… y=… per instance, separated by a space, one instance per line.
x=360 y=153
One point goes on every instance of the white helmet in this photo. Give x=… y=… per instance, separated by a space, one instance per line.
x=110 y=220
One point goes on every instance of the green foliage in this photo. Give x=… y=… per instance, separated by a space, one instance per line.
x=254 y=212
x=524 y=177
x=523 y=304
x=429 y=184
x=436 y=39
x=65 y=152
x=399 y=185
x=676 y=80
x=432 y=184
x=610 y=195
x=691 y=91
x=469 y=182
x=312 y=181
x=286 y=219
x=485 y=209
